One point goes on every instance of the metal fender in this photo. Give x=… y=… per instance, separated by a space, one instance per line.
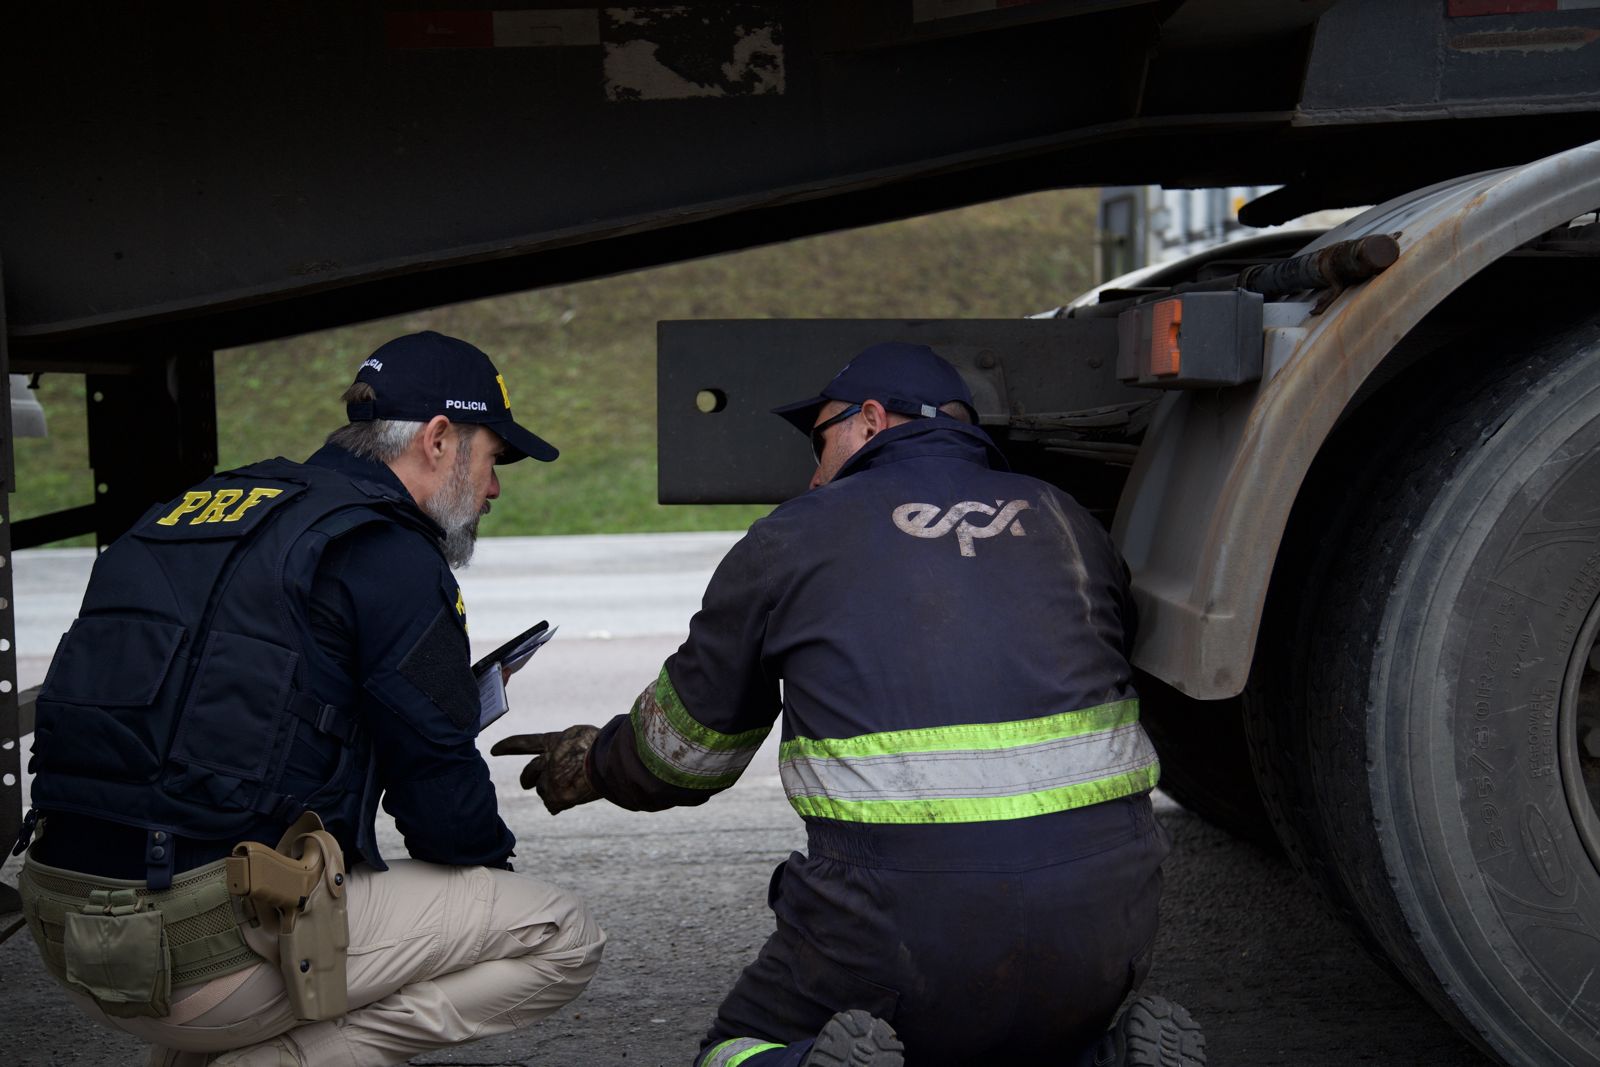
x=1204 y=511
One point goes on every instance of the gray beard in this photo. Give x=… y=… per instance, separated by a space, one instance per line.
x=455 y=509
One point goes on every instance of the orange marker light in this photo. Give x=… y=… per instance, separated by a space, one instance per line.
x=1165 y=358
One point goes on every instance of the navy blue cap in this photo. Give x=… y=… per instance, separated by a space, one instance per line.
x=906 y=379
x=425 y=374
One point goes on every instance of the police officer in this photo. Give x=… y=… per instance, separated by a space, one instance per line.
x=286 y=639
x=960 y=734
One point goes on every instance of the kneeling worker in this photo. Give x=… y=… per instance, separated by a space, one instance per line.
x=960 y=734
x=254 y=665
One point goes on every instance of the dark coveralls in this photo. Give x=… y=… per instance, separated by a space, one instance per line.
x=380 y=631
x=960 y=734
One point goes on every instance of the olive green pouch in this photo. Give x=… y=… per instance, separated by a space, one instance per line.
x=117 y=954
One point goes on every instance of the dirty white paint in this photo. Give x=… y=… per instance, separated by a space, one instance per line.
x=757 y=42
x=634 y=73
x=635 y=69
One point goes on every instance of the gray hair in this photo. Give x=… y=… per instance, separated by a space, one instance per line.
x=382 y=440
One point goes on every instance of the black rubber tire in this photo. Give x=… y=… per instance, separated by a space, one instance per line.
x=1418 y=665
x=1205 y=760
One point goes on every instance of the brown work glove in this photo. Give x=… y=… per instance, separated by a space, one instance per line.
x=557 y=768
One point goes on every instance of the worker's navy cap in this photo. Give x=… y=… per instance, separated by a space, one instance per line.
x=906 y=379
x=425 y=374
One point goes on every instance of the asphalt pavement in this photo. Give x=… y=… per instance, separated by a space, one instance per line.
x=682 y=893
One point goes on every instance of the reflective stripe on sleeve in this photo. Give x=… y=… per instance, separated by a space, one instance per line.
x=978 y=772
x=680 y=751
x=735 y=1051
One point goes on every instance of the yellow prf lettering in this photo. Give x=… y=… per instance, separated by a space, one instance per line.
x=220 y=502
x=257 y=495
x=193 y=500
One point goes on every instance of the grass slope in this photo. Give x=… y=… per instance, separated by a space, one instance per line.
x=580 y=359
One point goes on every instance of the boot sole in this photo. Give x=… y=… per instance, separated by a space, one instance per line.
x=1159 y=1033
x=856 y=1038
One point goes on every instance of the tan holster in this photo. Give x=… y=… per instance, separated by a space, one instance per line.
x=297 y=892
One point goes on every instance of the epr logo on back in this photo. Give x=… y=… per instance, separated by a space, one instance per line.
x=924 y=520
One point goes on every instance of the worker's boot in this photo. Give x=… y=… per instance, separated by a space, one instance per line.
x=1152 y=1032
x=856 y=1039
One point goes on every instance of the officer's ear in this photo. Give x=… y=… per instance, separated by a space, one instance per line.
x=433 y=436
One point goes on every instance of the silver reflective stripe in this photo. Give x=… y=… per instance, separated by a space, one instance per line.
x=690 y=758
x=973 y=773
x=682 y=751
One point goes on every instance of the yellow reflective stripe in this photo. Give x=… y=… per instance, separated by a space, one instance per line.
x=735 y=1051
x=682 y=752
x=982 y=809
x=973 y=772
x=968 y=737
x=995 y=772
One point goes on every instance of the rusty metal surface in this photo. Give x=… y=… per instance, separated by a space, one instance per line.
x=1338 y=265
x=1207 y=502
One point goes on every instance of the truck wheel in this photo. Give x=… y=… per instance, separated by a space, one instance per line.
x=1205 y=764
x=1433 y=755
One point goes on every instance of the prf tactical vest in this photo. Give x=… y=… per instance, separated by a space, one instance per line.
x=172 y=702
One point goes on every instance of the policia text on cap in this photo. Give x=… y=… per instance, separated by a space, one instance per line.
x=255 y=665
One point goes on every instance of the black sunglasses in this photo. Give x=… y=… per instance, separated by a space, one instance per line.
x=817 y=442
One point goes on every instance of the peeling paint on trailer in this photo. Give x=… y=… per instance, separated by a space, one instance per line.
x=680 y=53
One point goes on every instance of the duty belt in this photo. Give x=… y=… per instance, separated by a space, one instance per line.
x=201 y=920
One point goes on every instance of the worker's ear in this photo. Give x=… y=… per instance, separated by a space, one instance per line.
x=874 y=417
x=433 y=438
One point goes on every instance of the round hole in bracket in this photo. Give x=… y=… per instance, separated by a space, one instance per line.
x=102 y=488
x=5 y=645
x=10 y=780
x=98 y=396
x=710 y=401
x=4 y=603
x=8 y=744
x=5 y=685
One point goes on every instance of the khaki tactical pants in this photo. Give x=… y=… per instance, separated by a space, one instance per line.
x=438 y=956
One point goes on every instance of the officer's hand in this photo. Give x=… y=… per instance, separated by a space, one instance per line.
x=557 y=767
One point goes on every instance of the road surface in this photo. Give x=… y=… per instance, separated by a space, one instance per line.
x=682 y=893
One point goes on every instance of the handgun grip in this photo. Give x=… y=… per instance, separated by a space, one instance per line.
x=271 y=879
